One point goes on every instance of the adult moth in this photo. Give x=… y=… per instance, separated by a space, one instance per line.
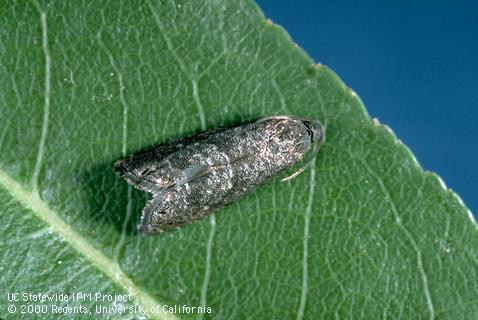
x=191 y=177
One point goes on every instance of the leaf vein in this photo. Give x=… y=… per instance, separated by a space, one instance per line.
x=46 y=101
x=391 y=202
x=207 y=272
x=423 y=275
x=109 y=267
x=308 y=213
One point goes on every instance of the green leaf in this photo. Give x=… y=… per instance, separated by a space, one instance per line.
x=364 y=233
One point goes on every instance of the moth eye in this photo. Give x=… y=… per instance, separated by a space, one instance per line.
x=310 y=132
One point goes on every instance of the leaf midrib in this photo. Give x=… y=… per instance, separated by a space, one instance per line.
x=109 y=267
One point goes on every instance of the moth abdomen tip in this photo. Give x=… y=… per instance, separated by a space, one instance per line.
x=120 y=168
x=143 y=232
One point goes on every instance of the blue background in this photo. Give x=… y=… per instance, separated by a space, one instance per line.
x=413 y=63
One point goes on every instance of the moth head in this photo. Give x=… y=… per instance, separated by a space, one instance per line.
x=316 y=135
x=315 y=130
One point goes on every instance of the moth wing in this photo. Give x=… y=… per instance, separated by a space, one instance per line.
x=151 y=207
x=193 y=172
x=150 y=159
x=159 y=152
x=164 y=150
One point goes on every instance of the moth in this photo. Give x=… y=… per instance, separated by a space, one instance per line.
x=191 y=177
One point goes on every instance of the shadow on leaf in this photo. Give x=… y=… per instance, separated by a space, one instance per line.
x=109 y=199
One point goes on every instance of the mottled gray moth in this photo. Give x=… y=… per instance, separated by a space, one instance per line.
x=191 y=177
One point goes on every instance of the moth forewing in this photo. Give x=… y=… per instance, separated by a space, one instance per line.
x=191 y=177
